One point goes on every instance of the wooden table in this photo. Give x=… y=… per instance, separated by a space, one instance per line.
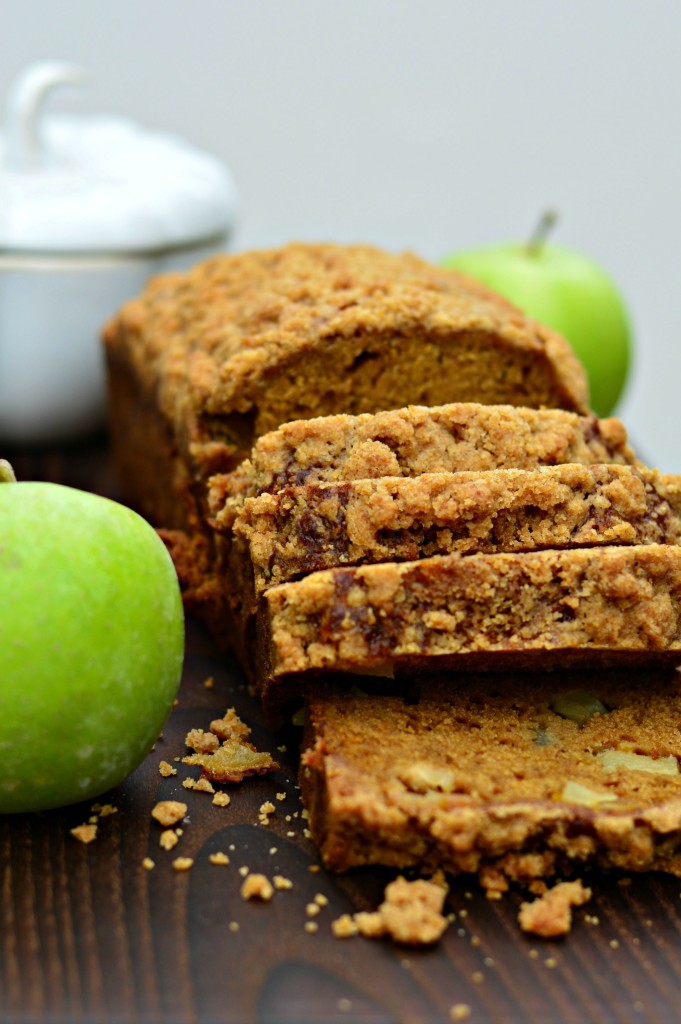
x=88 y=934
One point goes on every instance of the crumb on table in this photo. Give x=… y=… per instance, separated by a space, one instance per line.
x=183 y=863
x=168 y=839
x=168 y=812
x=225 y=754
x=256 y=887
x=84 y=833
x=551 y=914
x=411 y=913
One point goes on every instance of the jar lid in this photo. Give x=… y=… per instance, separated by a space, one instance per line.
x=76 y=183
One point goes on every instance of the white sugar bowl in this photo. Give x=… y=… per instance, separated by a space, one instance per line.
x=90 y=208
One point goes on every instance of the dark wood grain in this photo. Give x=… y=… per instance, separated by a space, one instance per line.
x=87 y=934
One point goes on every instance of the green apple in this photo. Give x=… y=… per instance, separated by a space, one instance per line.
x=91 y=643
x=569 y=293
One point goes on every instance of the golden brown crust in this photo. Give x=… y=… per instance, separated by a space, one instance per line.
x=244 y=342
x=481 y=774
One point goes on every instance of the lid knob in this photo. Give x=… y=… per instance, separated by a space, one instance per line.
x=24 y=149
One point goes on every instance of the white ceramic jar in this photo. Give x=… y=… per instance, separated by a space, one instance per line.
x=90 y=208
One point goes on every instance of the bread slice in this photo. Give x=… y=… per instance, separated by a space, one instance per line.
x=491 y=611
x=204 y=362
x=413 y=440
x=512 y=776
x=287 y=535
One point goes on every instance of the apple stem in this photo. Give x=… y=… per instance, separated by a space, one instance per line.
x=7 y=475
x=541 y=232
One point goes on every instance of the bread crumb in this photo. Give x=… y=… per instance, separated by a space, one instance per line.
x=256 y=887
x=168 y=839
x=84 y=833
x=209 y=683
x=551 y=962
x=281 y=796
x=232 y=762
x=183 y=863
x=312 y=909
x=460 y=1011
x=282 y=883
x=273 y=850
x=222 y=799
x=230 y=727
x=148 y=864
x=478 y=977
x=311 y=927
x=243 y=871
x=166 y=770
x=551 y=914
x=314 y=869
x=411 y=913
x=106 y=810
x=218 y=858
x=344 y=927
x=204 y=786
x=167 y=812
x=344 y=1005
x=233 y=926
x=224 y=753
x=614 y=944
x=321 y=899
x=202 y=742
x=494 y=881
x=266 y=810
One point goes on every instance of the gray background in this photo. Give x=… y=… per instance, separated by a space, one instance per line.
x=435 y=126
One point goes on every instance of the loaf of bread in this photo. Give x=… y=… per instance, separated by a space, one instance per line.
x=204 y=362
x=370 y=470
